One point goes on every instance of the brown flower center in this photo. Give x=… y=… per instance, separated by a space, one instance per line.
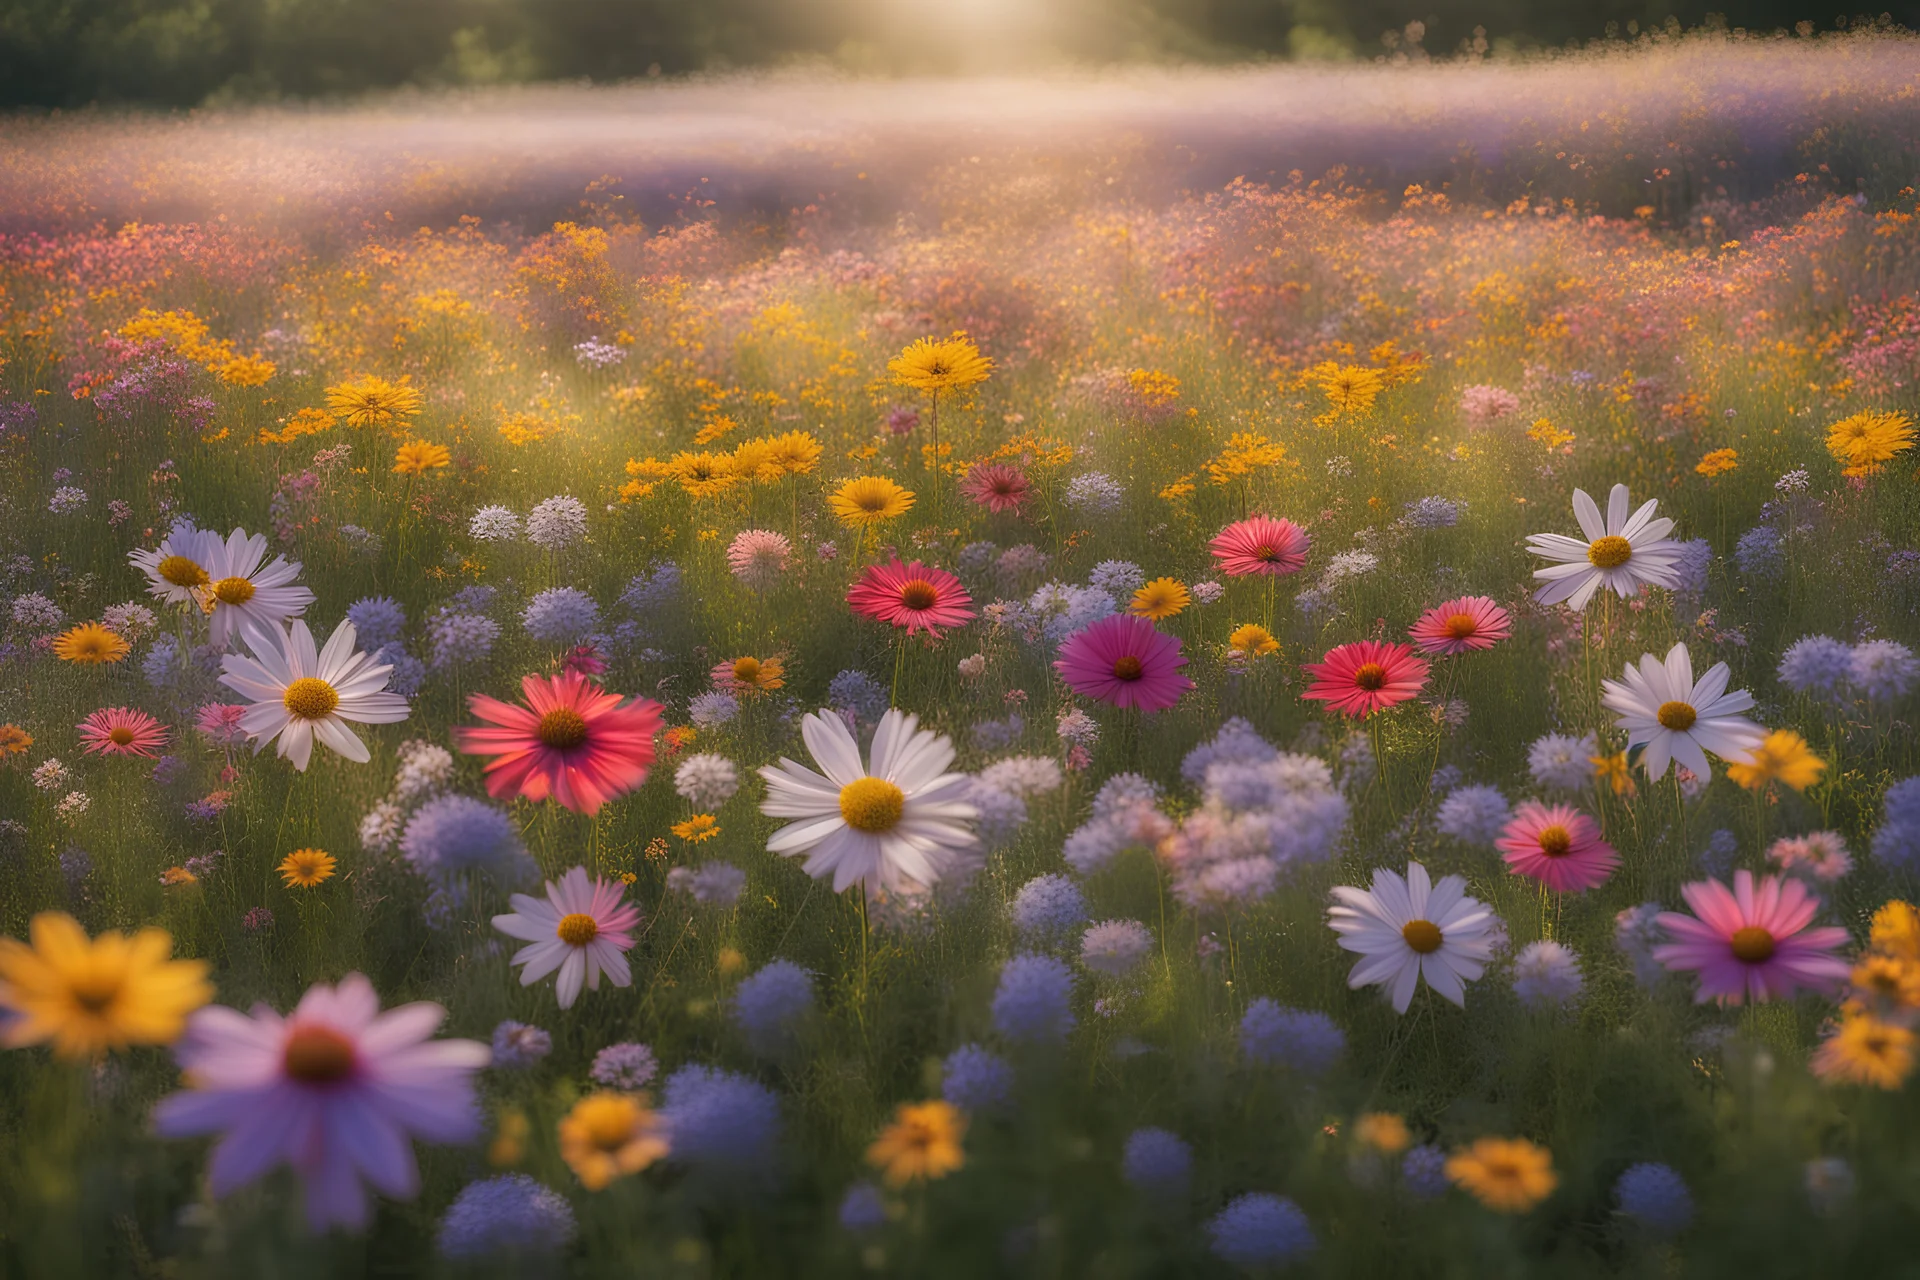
x=1752 y=945
x=318 y=1055
x=1609 y=552
x=562 y=728
x=1371 y=676
x=1127 y=667
x=919 y=594
x=1556 y=841
x=95 y=991
x=233 y=590
x=577 y=929
x=181 y=571
x=1461 y=626
x=120 y=736
x=1422 y=935
x=309 y=698
x=1677 y=716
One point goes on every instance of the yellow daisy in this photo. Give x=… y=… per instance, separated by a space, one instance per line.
x=14 y=740
x=305 y=868
x=374 y=402
x=932 y=365
x=610 y=1135
x=796 y=452
x=701 y=826
x=90 y=644
x=1508 y=1175
x=89 y=996
x=1866 y=1050
x=1866 y=441
x=1161 y=598
x=1253 y=640
x=417 y=457
x=703 y=474
x=870 y=500
x=921 y=1144
x=1784 y=756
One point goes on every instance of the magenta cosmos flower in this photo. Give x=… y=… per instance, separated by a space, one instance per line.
x=1752 y=941
x=1461 y=626
x=1364 y=677
x=337 y=1089
x=1559 y=846
x=572 y=741
x=121 y=731
x=1126 y=661
x=580 y=931
x=1260 y=544
x=916 y=596
x=997 y=486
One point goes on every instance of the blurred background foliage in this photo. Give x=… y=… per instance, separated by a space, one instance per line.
x=68 y=53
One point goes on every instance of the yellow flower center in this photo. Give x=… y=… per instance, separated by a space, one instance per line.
x=181 y=571
x=309 y=698
x=317 y=1055
x=919 y=594
x=562 y=728
x=1609 y=552
x=577 y=929
x=1461 y=626
x=872 y=804
x=1371 y=676
x=96 y=990
x=1127 y=667
x=747 y=670
x=1422 y=935
x=1556 y=841
x=1752 y=945
x=233 y=590
x=1677 y=716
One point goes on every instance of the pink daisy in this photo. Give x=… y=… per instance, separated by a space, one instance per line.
x=219 y=723
x=337 y=1090
x=572 y=741
x=758 y=556
x=912 y=595
x=997 y=486
x=1462 y=625
x=1364 y=677
x=1260 y=544
x=1752 y=942
x=121 y=731
x=580 y=931
x=1126 y=661
x=1559 y=846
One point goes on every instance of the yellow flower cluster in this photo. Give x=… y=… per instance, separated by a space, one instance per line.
x=1245 y=452
x=705 y=474
x=1718 y=462
x=188 y=334
x=1874 y=1042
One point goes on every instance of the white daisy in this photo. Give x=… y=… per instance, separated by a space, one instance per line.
x=1622 y=551
x=243 y=591
x=299 y=695
x=1663 y=707
x=179 y=564
x=580 y=931
x=1412 y=928
x=900 y=824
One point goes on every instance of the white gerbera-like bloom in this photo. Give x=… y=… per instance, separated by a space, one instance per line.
x=1621 y=551
x=246 y=591
x=181 y=563
x=1675 y=717
x=896 y=825
x=300 y=694
x=1412 y=928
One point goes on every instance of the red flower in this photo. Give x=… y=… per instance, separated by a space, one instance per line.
x=571 y=741
x=1461 y=625
x=997 y=486
x=1260 y=544
x=121 y=731
x=1362 y=678
x=912 y=595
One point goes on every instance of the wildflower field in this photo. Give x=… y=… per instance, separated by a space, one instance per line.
x=1056 y=702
